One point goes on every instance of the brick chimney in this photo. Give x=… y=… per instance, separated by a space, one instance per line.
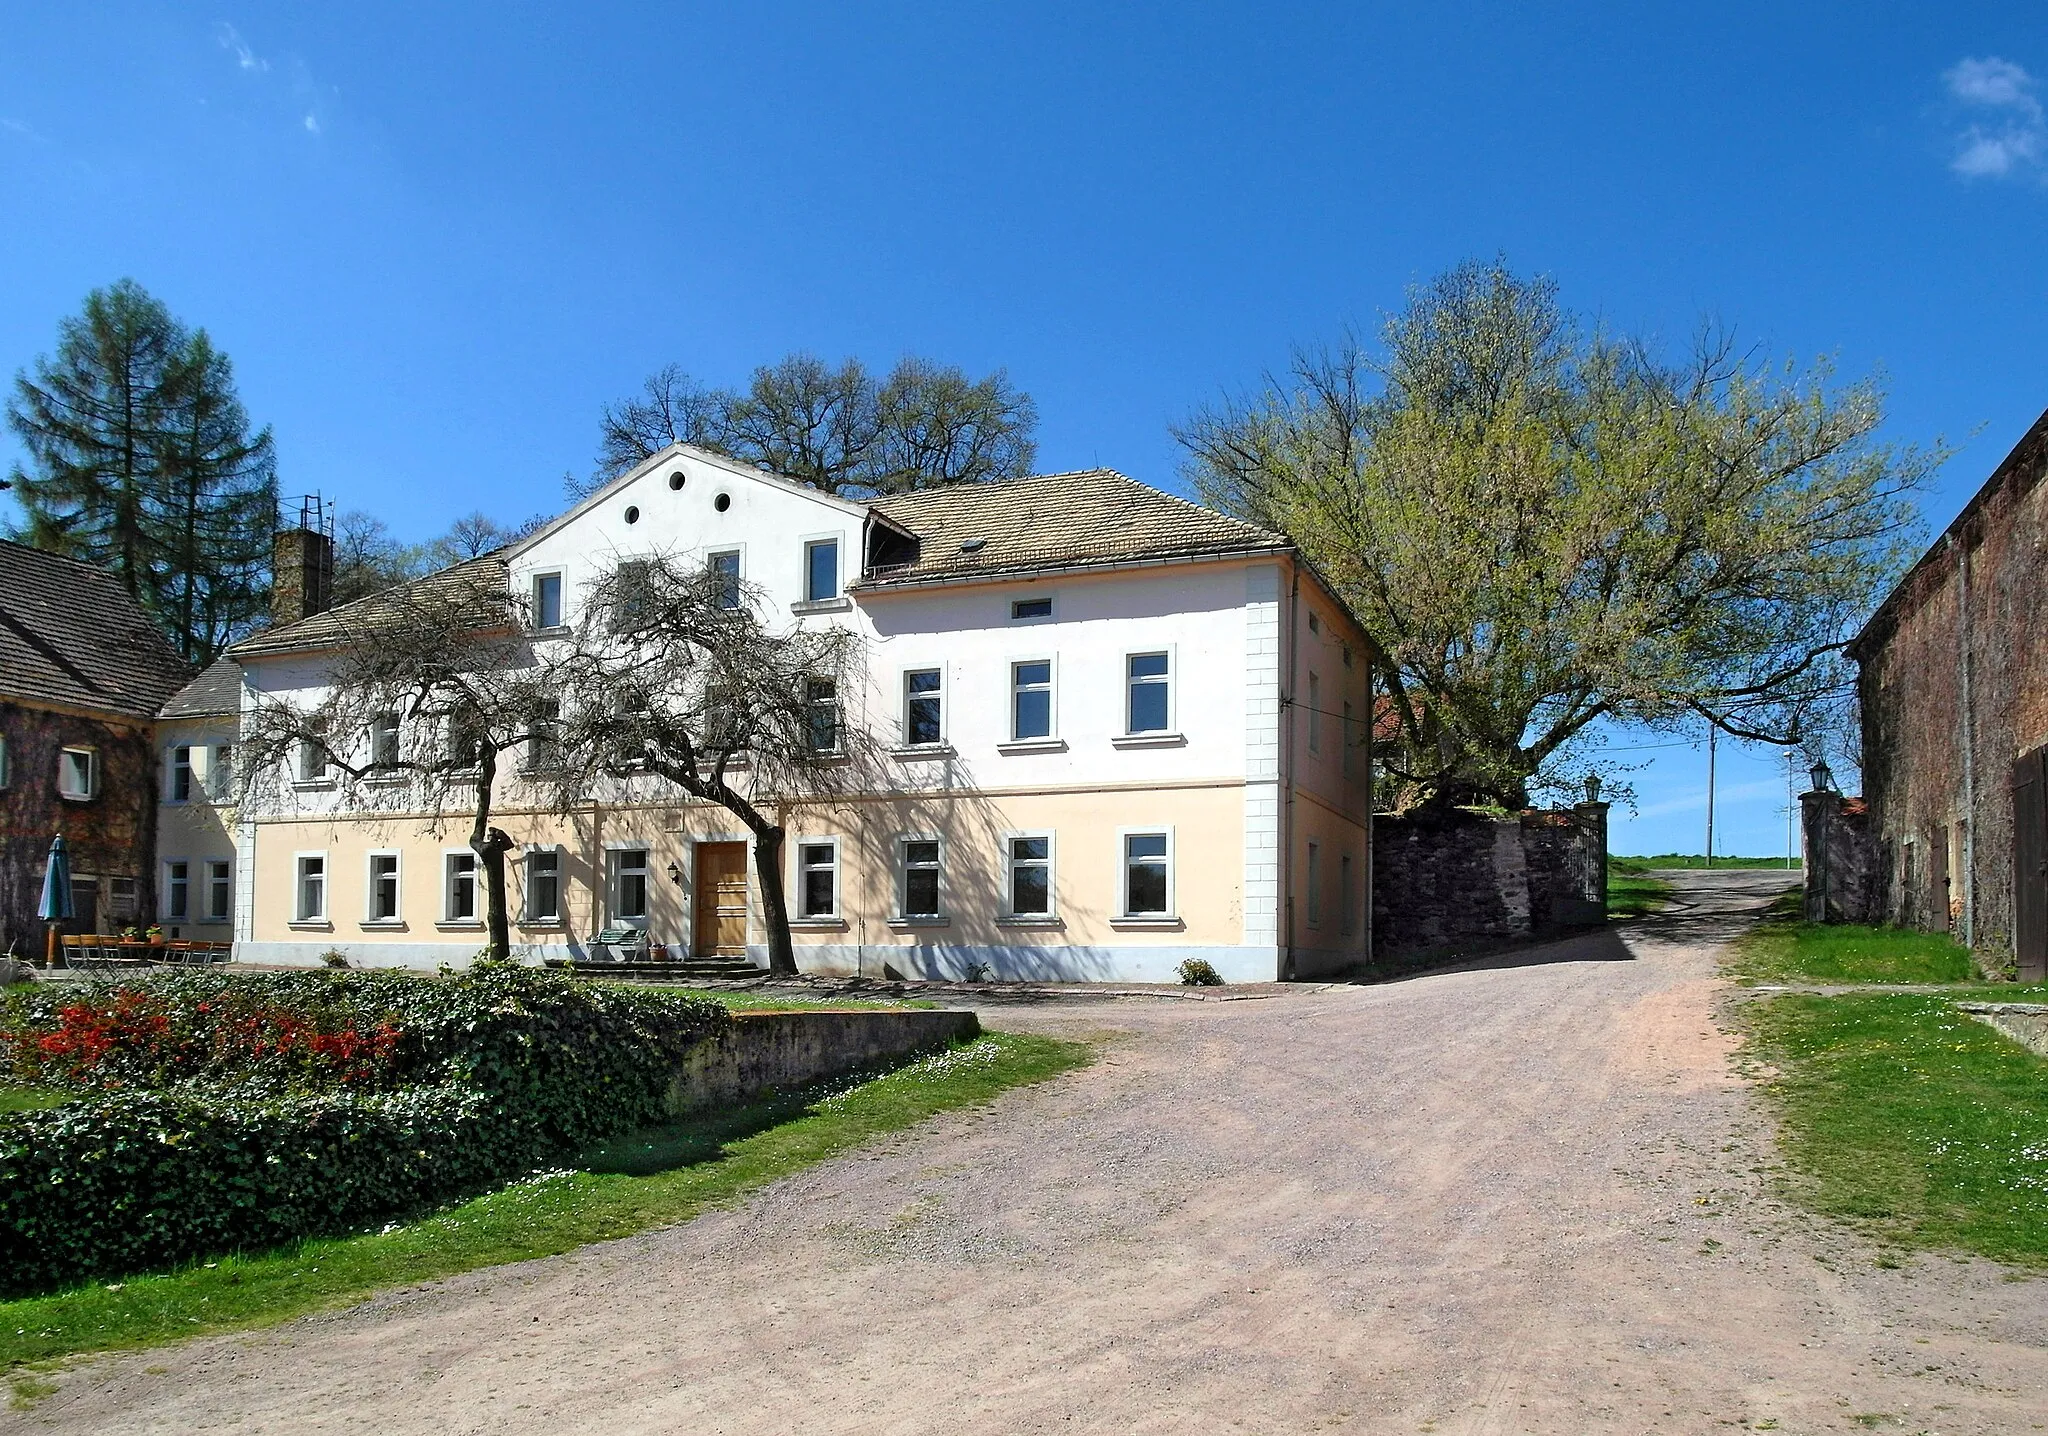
x=301 y=572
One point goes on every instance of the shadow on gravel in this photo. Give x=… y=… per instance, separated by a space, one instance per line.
x=1598 y=945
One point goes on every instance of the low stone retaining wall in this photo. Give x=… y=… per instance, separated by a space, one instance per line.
x=2024 y=1022
x=766 y=1052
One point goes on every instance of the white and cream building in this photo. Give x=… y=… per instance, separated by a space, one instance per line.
x=1120 y=731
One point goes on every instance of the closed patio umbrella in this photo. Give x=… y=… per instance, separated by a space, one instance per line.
x=56 y=904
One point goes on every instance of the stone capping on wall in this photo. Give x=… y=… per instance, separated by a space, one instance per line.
x=766 y=1052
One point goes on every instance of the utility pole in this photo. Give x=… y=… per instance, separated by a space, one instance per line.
x=1711 y=731
x=1791 y=804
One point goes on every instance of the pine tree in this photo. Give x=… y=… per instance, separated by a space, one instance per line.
x=141 y=461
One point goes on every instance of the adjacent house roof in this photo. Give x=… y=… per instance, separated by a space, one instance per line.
x=215 y=693
x=342 y=622
x=1083 y=519
x=70 y=634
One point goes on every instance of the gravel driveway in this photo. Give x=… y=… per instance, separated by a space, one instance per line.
x=1529 y=1196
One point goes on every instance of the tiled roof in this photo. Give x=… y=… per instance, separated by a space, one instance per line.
x=338 y=624
x=215 y=693
x=1095 y=516
x=69 y=633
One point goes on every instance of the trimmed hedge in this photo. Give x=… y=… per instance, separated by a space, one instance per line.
x=485 y=1075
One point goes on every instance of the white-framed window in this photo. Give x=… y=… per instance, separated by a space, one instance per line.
x=309 y=885
x=817 y=878
x=547 y=600
x=458 y=889
x=821 y=570
x=381 y=889
x=1030 y=610
x=1148 y=697
x=384 y=740
x=821 y=714
x=220 y=771
x=220 y=890
x=1146 y=882
x=1314 y=885
x=1028 y=857
x=628 y=885
x=177 y=890
x=1347 y=899
x=312 y=759
x=123 y=899
x=1031 y=699
x=920 y=886
x=178 y=771
x=78 y=774
x=1315 y=714
x=725 y=566
x=544 y=736
x=924 y=706
x=633 y=592
x=543 y=885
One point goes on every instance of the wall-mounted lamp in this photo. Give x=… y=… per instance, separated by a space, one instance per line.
x=1823 y=779
x=1592 y=787
x=675 y=873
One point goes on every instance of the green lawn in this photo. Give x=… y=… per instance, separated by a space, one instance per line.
x=1699 y=860
x=1911 y=1119
x=1782 y=948
x=1632 y=889
x=652 y=1178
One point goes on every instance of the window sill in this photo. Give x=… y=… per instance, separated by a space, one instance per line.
x=77 y=797
x=385 y=780
x=313 y=785
x=382 y=924
x=821 y=605
x=1033 y=745
x=311 y=924
x=540 y=924
x=1148 y=740
x=906 y=924
x=553 y=630
x=921 y=752
x=1142 y=924
x=817 y=924
x=1038 y=920
x=461 y=925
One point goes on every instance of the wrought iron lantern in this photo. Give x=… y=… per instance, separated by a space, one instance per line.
x=1823 y=778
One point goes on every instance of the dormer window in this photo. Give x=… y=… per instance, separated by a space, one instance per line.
x=1023 y=610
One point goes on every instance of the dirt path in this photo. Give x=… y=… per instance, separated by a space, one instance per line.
x=1515 y=1199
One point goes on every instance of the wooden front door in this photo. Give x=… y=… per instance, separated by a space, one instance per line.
x=2030 y=865
x=721 y=902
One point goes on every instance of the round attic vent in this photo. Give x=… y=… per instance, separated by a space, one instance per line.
x=632 y=514
x=675 y=480
x=722 y=502
x=973 y=545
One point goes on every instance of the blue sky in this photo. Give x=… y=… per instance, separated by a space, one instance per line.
x=436 y=239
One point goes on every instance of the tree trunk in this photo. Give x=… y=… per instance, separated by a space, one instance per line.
x=768 y=845
x=490 y=846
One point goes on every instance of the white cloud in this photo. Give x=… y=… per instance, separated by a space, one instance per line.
x=2011 y=136
x=231 y=40
x=312 y=125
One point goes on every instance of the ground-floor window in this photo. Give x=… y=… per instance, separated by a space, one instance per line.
x=544 y=885
x=817 y=879
x=383 y=906
x=459 y=900
x=177 y=890
x=920 y=892
x=219 y=890
x=629 y=884
x=310 y=904
x=1148 y=874
x=1031 y=875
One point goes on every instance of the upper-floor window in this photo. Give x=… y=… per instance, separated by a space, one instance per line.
x=312 y=759
x=544 y=736
x=1031 y=699
x=725 y=568
x=220 y=771
x=1025 y=609
x=821 y=570
x=1149 y=681
x=1315 y=714
x=924 y=706
x=384 y=740
x=1348 y=737
x=78 y=774
x=181 y=774
x=547 y=600
x=821 y=714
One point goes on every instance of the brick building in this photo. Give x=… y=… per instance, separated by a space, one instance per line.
x=82 y=675
x=1954 y=693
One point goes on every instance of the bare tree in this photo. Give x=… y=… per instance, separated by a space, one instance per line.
x=837 y=428
x=431 y=686
x=673 y=677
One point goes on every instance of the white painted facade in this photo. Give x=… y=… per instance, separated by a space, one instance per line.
x=1226 y=781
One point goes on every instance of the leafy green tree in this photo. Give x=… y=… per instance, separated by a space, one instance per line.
x=141 y=460
x=839 y=429
x=1543 y=525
